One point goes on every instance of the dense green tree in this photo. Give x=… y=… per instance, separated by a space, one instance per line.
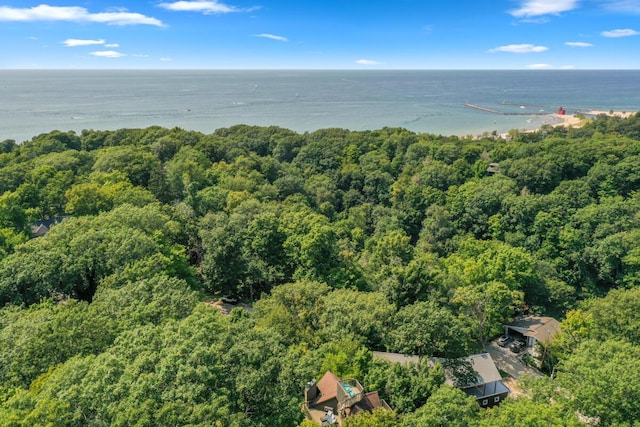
x=472 y=203
x=244 y=252
x=77 y=253
x=186 y=172
x=525 y=411
x=477 y=263
x=141 y=167
x=405 y=387
x=45 y=190
x=438 y=231
x=363 y=315
x=293 y=309
x=88 y=199
x=424 y=329
x=12 y=215
x=222 y=264
x=312 y=246
x=377 y=418
x=345 y=357
x=616 y=316
x=447 y=406
x=600 y=378
x=385 y=252
x=539 y=174
x=148 y=300
x=346 y=242
x=487 y=307
x=47 y=334
x=51 y=142
x=589 y=252
x=418 y=281
x=135 y=380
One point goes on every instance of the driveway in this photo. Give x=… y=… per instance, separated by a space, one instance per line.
x=509 y=362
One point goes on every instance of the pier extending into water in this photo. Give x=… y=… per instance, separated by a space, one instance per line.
x=502 y=113
x=551 y=107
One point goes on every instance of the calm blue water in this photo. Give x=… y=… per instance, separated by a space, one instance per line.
x=33 y=102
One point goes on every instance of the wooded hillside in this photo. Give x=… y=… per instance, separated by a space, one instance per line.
x=343 y=243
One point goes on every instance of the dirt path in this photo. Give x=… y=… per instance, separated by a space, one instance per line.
x=509 y=362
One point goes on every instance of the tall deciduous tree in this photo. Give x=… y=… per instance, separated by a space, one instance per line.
x=600 y=381
x=447 y=406
x=424 y=329
x=487 y=307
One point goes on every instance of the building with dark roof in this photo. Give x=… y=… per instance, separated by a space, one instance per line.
x=487 y=386
x=42 y=227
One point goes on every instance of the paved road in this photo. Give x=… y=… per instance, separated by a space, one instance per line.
x=509 y=362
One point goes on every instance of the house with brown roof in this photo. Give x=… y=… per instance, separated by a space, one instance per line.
x=533 y=329
x=331 y=399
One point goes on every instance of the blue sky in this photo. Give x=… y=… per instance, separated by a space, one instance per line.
x=326 y=34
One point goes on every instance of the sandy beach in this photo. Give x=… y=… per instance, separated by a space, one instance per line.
x=622 y=114
x=568 y=120
x=577 y=120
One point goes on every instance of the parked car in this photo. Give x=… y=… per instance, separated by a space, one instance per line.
x=504 y=341
x=517 y=346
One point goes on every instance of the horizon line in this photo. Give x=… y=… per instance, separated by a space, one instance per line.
x=311 y=69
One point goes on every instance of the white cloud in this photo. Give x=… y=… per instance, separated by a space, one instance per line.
x=578 y=44
x=166 y=59
x=124 y=18
x=622 y=6
x=530 y=8
x=620 y=33
x=273 y=37
x=519 y=48
x=541 y=20
x=206 y=7
x=112 y=45
x=45 y=12
x=367 y=62
x=539 y=66
x=108 y=54
x=568 y=67
x=80 y=42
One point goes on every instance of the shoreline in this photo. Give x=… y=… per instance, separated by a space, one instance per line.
x=576 y=120
x=535 y=123
x=567 y=120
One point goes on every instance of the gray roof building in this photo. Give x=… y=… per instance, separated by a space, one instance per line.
x=533 y=328
x=488 y=388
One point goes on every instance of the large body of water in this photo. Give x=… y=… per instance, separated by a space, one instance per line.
x=37 y=101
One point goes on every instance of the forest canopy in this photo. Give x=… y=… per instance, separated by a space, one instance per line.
x=337 y=243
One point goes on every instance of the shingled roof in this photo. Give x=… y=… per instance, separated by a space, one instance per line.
x=541 y=328
x=328 y=387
